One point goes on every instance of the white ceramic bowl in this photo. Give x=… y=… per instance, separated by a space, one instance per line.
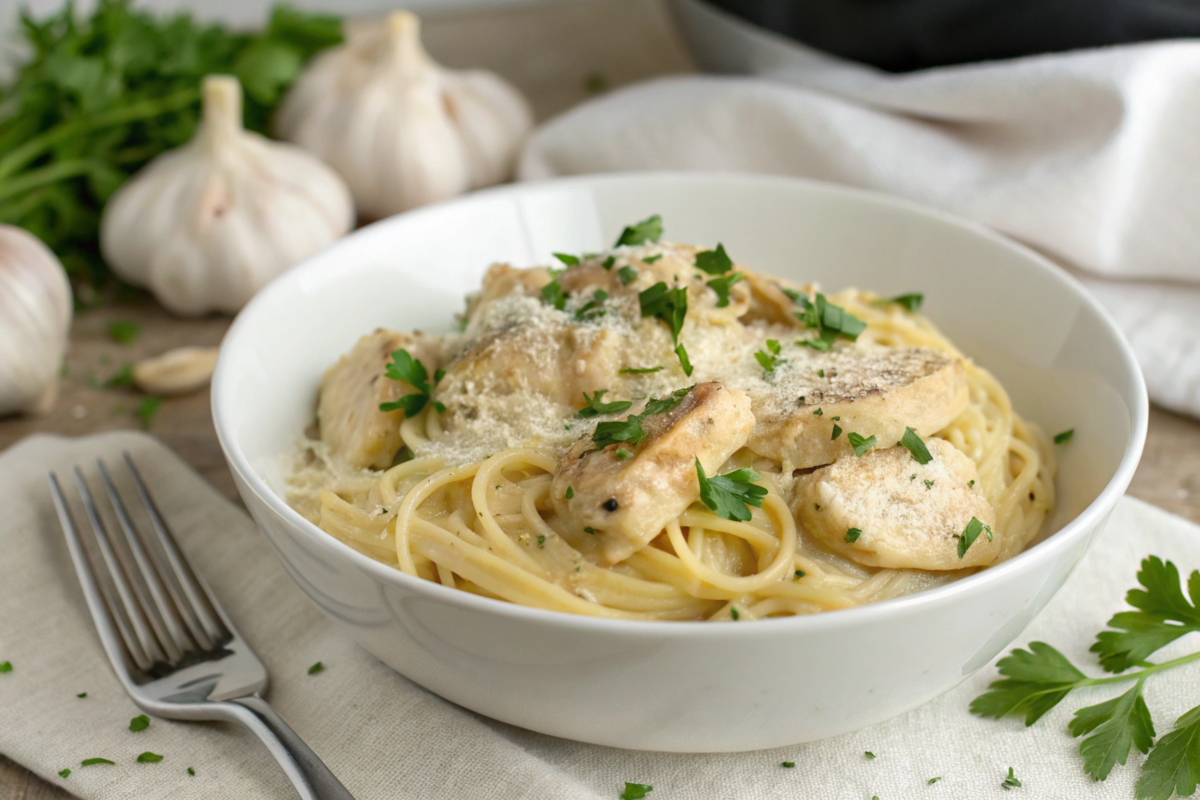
x=671 y=685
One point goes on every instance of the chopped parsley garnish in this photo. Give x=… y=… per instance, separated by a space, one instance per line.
x=567 y=259
x=541 y=540
x=852 y=535
x=788 y=764
x=910 y=301
x=191 y=771
x=870 y=756
x=798 y=575
x=1011 y=781
x=635 y=791
x=860 y=444
x=552 y=292
x=87 y=762
x=5 y=666
x=405 y=368
x=589 y=529
x=648 y=230
x=928 y=485
x=315 y=668
x=837 y=431
x=722 y=285
x=623 y=454
x=638 y=370
x=912 y=442
x=685 y=363
x=973 y=529
x=124 y=332
x=149 y=758
x=570 y=492
x=651 y=259
x=626 y=275
x=733 y=612
x=730 y=496
x=932 y=781
x=630 y=430
x=769 y=358
x=82 y=694
x=595 y=407
x=591 y=309
x=147 y=409
x=828 y=320
x=1064 y=437
x=820 y=373
x=818 y=413
x=608 y=262
x=139 y=723
x=666 y=304
x=714 y=262
x=122 y=377
x=971 y=484
x=62 y=773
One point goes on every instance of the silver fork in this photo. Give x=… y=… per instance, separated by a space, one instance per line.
x=172 y=646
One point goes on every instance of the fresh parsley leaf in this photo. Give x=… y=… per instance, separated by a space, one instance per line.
x=1011 y=781
x=685 y=363
x=822 y=342
x=595 y=407
x=62 y=773
x=829 y=320
x=638 y=370
x=147 y=409
x=139 y=723
x=1174 y=763
x=852 y=535
x=405 y=368
x=722 y=285
x=912 y=442
x=124 y=332
x=714 y=262
x=730 y=496
x=768 y=358
x=970 y=534
x=648 y=230
x=621 y=430
x=860 y=444
x=910 y=301
x=1036 y=680
x=1163 y=615
x=149 y=758
x=662 y=405
x=666 y=304
x=315 y=668
x=626 y=275
x=567 y=259
x=5 y=666
x=553 y=294
x=87 y=762
x=1064 y=437
x=1115 y=726
x=635 y=791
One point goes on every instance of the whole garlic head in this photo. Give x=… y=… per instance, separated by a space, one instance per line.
x=206 y=225
x=402 y=130
x=35 y=316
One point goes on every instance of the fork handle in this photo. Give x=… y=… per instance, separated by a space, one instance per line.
x=307 y=772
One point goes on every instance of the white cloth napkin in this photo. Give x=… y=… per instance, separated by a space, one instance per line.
x=387 y=738
x=1092 y=156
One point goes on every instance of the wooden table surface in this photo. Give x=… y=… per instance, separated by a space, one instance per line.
x=557 y=53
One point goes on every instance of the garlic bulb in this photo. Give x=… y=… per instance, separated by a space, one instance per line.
x=206 y=225
x=402 y=130
x=35 y=315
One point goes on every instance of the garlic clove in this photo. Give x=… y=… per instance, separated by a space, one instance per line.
x=35 y=317
x=178 y=371
x=401 y=129
x=207 y=225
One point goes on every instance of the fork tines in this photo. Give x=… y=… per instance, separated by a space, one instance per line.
x=142 y=585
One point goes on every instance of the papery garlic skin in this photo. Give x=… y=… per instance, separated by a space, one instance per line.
x=401 y=129
x=207 y=225
x=35 y=317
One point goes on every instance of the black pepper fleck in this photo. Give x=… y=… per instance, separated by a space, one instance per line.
x=610 y=504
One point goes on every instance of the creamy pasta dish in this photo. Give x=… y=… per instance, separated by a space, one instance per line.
x=657 y=432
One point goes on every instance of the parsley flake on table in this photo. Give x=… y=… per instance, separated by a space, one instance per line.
x=87 y=762
x=403 y=367
x=768 y=358
x=139 y=723
x=62 y=773
x=912 y=442
x=1163 y=615
x=626 y=275
x=910 y=301
x=124 y=331
x=932 y=781
x=1011 y=781
x=147 y=409
x=191 y=771
x=852 y=535
x=648 y=230
x=5 y=666
x=788 y=764
x=970 y=534
x=870 y=756
x=666 y=304
x=315 y=668
x=638 y=370
x=730 y=496
x=149 y=758
x=122 y=377
x=722 y=285
x=82 y=694
x=635 y=791
x=595 y=407
x=860 y=444
x=714 y=262
x=1064 y=437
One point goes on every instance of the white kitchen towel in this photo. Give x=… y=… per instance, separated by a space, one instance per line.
x=388 y=738
x=1091 y=156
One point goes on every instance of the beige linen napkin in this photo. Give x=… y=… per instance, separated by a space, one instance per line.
x=387 y=738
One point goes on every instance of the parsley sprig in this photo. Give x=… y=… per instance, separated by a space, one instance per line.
x=404 y=367
x=595 y=407
x=1037 y=679
x=718 y=263
x=629 y=430
x=730 y=496
x=769 y=358
x=670 y=306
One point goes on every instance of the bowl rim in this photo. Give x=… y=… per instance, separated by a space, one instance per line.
x=1065 y=537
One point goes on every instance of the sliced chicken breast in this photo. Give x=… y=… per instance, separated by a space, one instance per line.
x=884 y=509
x=625 y=493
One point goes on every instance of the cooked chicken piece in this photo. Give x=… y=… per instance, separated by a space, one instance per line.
x=669 y=263
x=626 y=493
x=769 y=302
x=909 y=515
x=348 y=407
x=502 y=280
x=869 y=391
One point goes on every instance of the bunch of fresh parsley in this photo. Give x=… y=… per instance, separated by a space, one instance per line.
x=1037 y=679
x=98 y=97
